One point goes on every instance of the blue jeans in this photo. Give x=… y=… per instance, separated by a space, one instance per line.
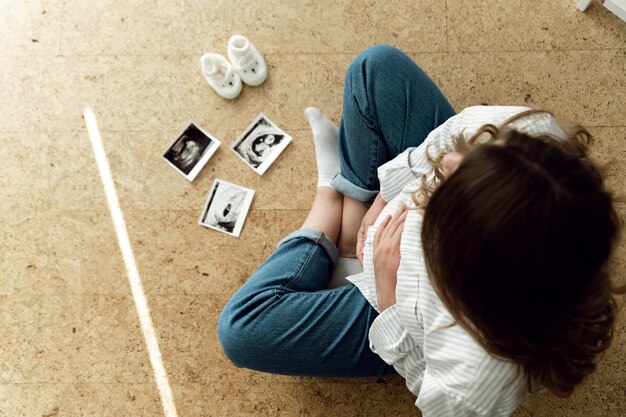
x=283 y=319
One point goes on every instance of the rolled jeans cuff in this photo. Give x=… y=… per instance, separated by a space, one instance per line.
x=345 y=187
x=319 y=238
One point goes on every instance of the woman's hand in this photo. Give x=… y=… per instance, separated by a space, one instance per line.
x=370 y=217
x=387 y=257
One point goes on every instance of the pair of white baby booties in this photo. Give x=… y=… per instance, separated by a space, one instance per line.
x=246 y=65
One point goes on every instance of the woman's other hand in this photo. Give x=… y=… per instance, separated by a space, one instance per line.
x=387 y=257
x=370 y=217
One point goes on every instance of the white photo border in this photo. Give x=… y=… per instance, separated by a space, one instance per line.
x=275 y=153
x=245 y=207
x=212 y=148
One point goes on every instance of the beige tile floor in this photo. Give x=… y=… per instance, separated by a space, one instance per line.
x=70 y=340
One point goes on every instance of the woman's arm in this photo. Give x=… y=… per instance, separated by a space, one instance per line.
x=412 y=163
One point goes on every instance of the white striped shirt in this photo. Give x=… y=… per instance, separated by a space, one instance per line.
x=448 y=371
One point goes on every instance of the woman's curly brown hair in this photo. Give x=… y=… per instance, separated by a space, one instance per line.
x=517 y=243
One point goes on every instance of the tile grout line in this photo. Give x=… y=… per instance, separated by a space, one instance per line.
x=187 y=54
x=152 y=130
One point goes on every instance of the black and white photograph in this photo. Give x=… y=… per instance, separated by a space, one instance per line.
x=260 y=144
x=226 y=207
x=191 y=151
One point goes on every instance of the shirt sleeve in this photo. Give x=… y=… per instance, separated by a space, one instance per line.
x=390 y=341
x=435 y=401
x=412 y=163
x=388 y=338
x=448 y=406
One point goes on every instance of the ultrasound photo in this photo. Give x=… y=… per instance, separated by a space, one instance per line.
x=260 y=144
x=191 y=151
x=227 y=207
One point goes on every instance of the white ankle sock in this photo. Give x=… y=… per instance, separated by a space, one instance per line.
x=325 y=137
x=344 y=268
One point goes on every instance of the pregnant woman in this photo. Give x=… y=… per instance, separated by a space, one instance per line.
x=484 y=239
